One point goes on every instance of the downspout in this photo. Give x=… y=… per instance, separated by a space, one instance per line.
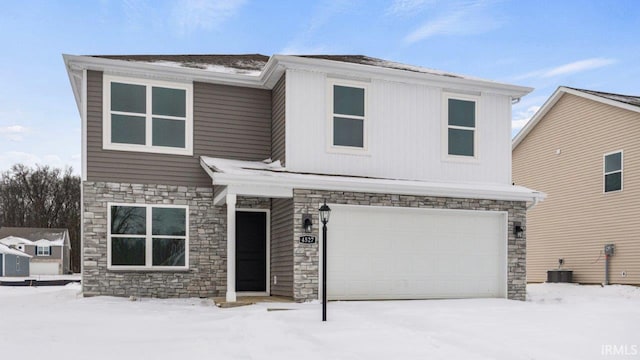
x=533 y=204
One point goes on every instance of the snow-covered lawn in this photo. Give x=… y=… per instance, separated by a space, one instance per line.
x=560 y=321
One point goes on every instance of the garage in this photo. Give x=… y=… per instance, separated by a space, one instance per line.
x=410 y=253
x=45 y=268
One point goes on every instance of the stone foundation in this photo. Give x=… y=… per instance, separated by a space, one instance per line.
x=206 y=276
x=207 y=273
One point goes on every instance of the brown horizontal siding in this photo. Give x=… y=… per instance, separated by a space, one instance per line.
x=578 y=219
x=282 y=246
x=278 y=114
x=229 y=122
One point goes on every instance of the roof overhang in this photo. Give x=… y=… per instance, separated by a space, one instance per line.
x=248 y=178
x=449 y=82
x=553 y=99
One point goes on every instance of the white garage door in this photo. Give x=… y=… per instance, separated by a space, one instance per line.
x=39 y=268
x=408 y=253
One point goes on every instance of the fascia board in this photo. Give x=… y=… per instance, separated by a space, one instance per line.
x=132 y=68
x=343 y=68
x=602 y=100
x=73 y=73
x=553 y=99
x=336 y=185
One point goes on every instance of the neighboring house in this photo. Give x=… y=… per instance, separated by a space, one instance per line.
x=13 y=262
x=582 y=148
x=50 y=248
x=414 y=163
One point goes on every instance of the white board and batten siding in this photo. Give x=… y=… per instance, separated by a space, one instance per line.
x=413 y=150
x=411 y=253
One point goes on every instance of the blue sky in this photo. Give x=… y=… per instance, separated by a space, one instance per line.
x=542 y=44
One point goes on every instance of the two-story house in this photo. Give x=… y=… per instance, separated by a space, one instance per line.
x=582 y=148
x=49 y=248
x=203 y=175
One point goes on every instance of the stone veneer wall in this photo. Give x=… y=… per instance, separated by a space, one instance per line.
x=206 y=275
x=306 y=256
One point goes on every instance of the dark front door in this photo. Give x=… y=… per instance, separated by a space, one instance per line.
x=251 y=251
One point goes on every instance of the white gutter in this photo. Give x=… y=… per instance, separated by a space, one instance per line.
x=401 y=187
x=345 y=68
x=533 y=204
x=141 y=69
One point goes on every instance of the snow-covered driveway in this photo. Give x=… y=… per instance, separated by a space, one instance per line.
x=559 y=322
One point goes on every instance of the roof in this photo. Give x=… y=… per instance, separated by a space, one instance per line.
x=261 y=71
x=252 y=64
x=35 y=234
x=248 y=64
x=45 y=242
x=625 y=99
x=628 y=102
x=14 y=240
x=4 y=249
x=247 y=177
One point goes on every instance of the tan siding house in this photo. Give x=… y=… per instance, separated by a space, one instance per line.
x=562 y=152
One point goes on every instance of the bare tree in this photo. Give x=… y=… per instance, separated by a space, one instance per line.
x=42 y=197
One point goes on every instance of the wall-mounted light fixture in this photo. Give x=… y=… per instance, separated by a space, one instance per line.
x=307 y=223
x=518 y=230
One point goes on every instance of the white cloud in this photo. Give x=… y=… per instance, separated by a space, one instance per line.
x=407 y=7
x=10 y=158
x=460 y=19
x=13 y=132
x=579 y=66
x=193 y=15
x=522 y=117
x=302 y=42
x=570 y=68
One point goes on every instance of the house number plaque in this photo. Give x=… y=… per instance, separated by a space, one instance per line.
x=308 y=239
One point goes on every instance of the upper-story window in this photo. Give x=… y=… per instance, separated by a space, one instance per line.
x=460 y=126
x=43 y=250
x=149 y=116
x=348 y=121
x=613 y=171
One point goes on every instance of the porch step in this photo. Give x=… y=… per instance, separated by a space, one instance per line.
x=221 y=302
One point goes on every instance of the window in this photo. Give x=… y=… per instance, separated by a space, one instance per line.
x=348 y=116
x=43 y=250
x=148 y=237
x=460 y=127
x=149 y=116
x=613 y=171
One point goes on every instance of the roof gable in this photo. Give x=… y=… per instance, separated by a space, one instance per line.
x=627 y=102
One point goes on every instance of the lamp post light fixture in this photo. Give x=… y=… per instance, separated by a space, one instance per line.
x=325 y=211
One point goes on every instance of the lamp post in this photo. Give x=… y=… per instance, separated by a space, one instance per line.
x=325 y=211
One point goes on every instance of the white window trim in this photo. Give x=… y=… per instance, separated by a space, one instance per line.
x=445 y=128
x=350 y=150
x=605 y=173
x=106 y=116
x=48 y=253
x=149 y=239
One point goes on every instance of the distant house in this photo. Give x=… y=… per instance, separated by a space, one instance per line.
x=13 y=262
x=582 y=148
x=50 y=248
